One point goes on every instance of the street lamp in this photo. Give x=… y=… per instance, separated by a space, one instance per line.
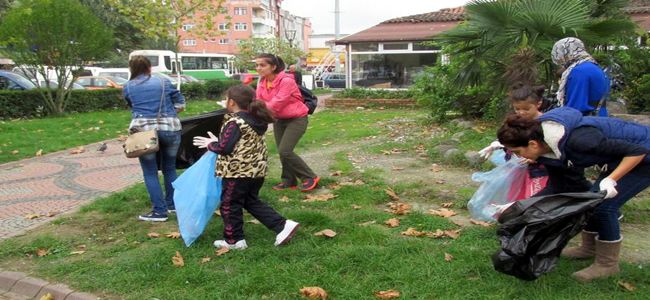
x=290 y=34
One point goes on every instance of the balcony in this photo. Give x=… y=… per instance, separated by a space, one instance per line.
x=263 y=21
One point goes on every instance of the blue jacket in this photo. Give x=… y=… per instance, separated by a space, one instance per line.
x=143 y=95
x=586 y=86
x=588 y=141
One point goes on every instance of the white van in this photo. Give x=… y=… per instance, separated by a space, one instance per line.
x=115 y=72
x=37 y=78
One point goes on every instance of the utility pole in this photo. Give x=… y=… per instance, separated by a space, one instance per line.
x=337 y=31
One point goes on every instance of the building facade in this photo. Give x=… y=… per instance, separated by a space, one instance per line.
x=240 y=20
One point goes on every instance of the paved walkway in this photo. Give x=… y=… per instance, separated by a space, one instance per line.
x=60 y=182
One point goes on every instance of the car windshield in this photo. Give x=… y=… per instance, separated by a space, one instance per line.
x=118 y=80
x=22 y=81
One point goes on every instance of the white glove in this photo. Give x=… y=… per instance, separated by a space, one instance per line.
x=222 y=103
x=203 y=142
x=608 y=185
x=487 y=151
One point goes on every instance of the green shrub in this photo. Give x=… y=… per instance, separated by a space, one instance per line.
x=30 y=104
x=215 y=88
x=362 y=93
x=637 y=94
x=194 y=91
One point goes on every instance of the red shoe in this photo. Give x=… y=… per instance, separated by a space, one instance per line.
x=284 y=186
x=309 y=184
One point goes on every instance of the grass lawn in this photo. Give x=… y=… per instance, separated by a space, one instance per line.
x=23 y=138
x=121 y=261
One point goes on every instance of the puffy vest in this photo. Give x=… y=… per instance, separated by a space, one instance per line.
x=249 y=158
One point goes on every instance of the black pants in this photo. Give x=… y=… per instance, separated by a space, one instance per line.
x=238 y=193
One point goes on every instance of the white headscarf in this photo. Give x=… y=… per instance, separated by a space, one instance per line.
x=568 y=52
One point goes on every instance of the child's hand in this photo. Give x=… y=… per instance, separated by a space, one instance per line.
x=203 y=142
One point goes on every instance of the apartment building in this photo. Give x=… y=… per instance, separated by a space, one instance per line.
x=240 y=20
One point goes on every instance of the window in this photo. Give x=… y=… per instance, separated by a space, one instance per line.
x=365 y=47
x=187 y=27
x=204 y=63
x=396 y=46
x=152 y=59
x=240 y=11
x=189 y=42
x=241 y=26
x=424 y=47
x=223 y=41
x=388 y=70
x=224 y=26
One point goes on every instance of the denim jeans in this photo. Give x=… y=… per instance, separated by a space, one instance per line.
x=169 y=142
x=605 y=217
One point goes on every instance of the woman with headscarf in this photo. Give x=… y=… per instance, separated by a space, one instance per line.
x=583 y=84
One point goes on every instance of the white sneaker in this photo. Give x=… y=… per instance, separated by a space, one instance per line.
x=290 y=228
x=239 y=245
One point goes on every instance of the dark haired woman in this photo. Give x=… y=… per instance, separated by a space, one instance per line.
x=143 y=93
x=566 y=143
x=282 y=96
x=242 y=164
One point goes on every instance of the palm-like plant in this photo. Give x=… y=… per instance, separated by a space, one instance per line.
x=513 y=38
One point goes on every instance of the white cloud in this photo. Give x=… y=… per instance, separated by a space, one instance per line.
x=357 y=15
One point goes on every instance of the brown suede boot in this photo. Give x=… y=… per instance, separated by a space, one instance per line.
x=605 y=264
x=587 y=248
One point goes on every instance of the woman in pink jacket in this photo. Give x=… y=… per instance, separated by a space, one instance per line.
x=282 y=96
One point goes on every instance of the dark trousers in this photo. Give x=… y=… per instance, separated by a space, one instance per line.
x=605 y=217
x=287 y=134
x=239 y=193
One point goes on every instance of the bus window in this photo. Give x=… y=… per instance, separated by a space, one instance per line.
x=152 y=59
x=168 y=62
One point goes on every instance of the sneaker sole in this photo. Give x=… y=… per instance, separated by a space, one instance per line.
x=313 y=186
x=152 y=219
x=290 y=236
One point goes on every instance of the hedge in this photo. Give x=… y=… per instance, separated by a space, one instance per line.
x=210 y=89
x=30 y=104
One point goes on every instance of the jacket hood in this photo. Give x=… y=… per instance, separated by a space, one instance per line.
x=259 y=126
x=557 y=124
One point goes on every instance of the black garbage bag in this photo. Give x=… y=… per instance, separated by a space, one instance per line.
x=533 y=232
x=193 y=126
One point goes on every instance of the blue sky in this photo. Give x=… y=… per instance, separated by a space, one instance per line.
x=357 y=15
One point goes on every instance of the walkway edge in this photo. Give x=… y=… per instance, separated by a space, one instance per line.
x=17 y=285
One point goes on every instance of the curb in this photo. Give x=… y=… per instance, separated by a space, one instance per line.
x=17 y=285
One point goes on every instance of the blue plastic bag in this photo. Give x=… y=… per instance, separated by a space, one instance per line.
x=494 y=194
x=197 y=193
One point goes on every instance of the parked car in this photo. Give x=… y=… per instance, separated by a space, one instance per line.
x=12 y=81
x=54 y=85
x=334 y=80
x=123 y=73
x=100 y=82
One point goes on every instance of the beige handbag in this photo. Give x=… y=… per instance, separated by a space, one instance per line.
x=144 y=142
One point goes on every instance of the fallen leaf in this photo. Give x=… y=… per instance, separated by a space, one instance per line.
x=206 y=259
x=448 y=204
x=153 y=235
x=78 y=150
x=254 y=221
x=413 y=232
x=351 y=183
x=392 y=223
x=327 y=144
x=438 y=234
x=452 y=233
x=389 y=294
x=448 y=257
x=122 y=138
x=32 y=216
x=51 y=214
x=386 y=152
x=327 y=233
x=395 y=150
x=440 y=181
x=42 y=252
x=393 y=196
x=397 y=168
x=221 y=251
x=367 y=223
x=314 y=292
x=476 y=222
x=82 y=247
x=435 y=168
x=177 y=260
x=334 y=186
x=399 y=208
x=78 y=252
x=15 y=152
x=318 y=197
x=458 y=223
x=100 y=122
x=443 y=212
x=284 y=199
x=173 y=235
x=47 y=296
x=626 y=285
x=337 y=173
x=354 y=206
x=217 y=212
x=39 y=152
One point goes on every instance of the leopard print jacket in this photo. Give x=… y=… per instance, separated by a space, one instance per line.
x=249 y=158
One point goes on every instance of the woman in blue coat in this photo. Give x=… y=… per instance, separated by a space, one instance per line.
x=566 y=142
